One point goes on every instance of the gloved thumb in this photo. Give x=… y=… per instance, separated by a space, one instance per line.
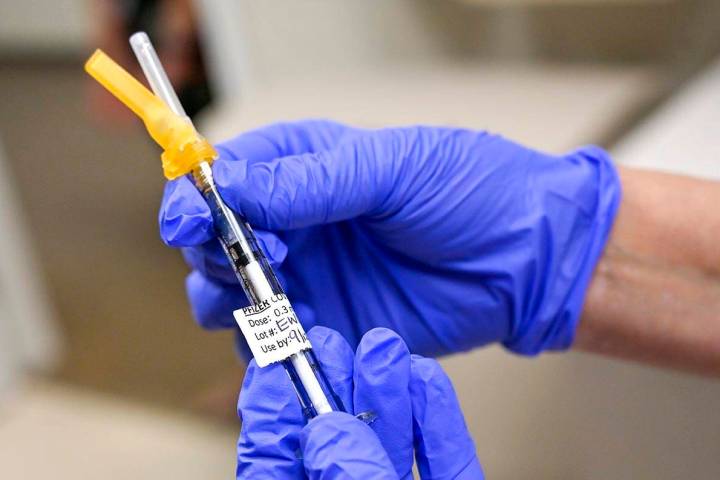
x=444 y=448
x=337 y=445
x=313 y=188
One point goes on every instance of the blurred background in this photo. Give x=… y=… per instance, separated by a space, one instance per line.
x=102 y=370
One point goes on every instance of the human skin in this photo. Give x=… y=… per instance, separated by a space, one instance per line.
x=655 y=294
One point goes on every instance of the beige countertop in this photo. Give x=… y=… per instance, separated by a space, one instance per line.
x=54 y=431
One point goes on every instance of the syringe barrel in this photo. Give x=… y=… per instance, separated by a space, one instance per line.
x=259 y=282
x=238 y=240
x=187 y=152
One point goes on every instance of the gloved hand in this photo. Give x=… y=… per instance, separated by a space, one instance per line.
x=453 y=238
x=413 y=399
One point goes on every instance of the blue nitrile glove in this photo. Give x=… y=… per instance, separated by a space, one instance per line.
x=413 y=399
x=453 y=238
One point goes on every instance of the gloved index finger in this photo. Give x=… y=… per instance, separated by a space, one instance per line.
x=184 y=216
x=315 y=188
x=282 y=139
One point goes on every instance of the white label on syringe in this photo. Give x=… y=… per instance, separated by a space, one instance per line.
x=272 y=330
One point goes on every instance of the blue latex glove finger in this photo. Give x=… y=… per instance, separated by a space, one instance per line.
x=282 y=139
x=444 y=448
x=184 y=216
x=338 y=446
x=382 y=382
x=271 y=419
x=453 y=238
x=308 y=189
x=213 y=303
x=213 y=289
x=271 y=414
x=210 y=259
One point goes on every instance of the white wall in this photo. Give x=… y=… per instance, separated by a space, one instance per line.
x=44 y=26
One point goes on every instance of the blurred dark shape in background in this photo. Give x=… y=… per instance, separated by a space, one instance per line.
x=91 y=196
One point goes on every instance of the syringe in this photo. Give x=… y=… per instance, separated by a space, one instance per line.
x=186 y=152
